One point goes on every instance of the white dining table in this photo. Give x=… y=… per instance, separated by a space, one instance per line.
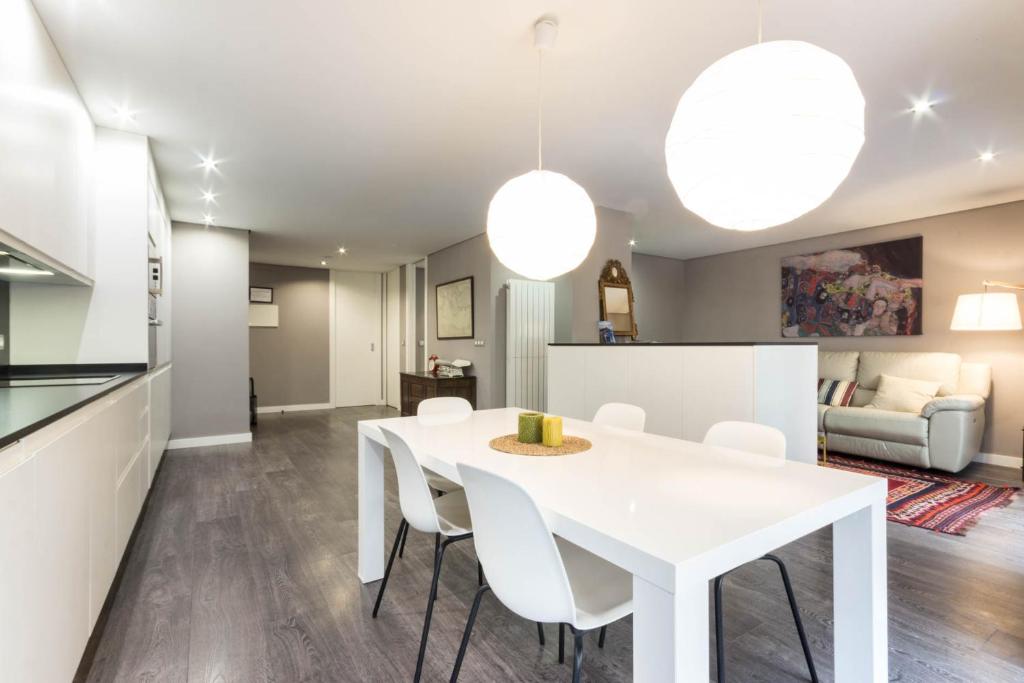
x=674 y=514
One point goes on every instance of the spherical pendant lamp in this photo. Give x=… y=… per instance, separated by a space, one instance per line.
x=765 y=134
x=541 y=224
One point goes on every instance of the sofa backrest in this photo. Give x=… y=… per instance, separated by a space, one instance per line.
x=866 y=367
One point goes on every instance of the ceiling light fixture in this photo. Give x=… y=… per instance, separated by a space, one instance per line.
x=323 y=262
x=208 y=196
x=541 y=224
x=124 y=114
x=208 y=163
x=23 y=271
x=765 y=134
x=632 y=243
x=922 y=106
x=207 y=219
x=987 y=155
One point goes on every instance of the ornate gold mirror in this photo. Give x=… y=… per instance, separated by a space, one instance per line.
x=616 y=294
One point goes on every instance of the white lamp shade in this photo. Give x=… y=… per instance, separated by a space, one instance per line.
x=991 y=311
x=541 y=224
x=765 y=134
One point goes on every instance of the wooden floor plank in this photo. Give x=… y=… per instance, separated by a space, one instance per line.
x=244 y=569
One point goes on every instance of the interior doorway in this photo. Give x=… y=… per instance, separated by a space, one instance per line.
x=392 y=337
x=358 y=345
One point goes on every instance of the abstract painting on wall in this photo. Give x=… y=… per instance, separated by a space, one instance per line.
x=868 y=291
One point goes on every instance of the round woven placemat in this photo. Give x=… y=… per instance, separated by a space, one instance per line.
x=510 y=444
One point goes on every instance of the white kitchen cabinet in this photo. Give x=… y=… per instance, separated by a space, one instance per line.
x=71 y=494
x=686 y=388
x=46 y=145
x=159 y=417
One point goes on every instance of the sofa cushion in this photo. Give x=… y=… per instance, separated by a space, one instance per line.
x=903 y=395
x=835 y=392
x=933 y=367
x=884 y=425
x=822 y=409
x=838 y=365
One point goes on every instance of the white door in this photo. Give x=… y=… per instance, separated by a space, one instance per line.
x=393 y=339
x=357 y=316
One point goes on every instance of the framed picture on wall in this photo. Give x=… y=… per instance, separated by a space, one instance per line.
x=455 y=309
x=261 y=295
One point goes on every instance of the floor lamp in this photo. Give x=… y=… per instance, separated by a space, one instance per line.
x=990 y=312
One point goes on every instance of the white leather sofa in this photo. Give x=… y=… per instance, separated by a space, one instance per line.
x=946 y=434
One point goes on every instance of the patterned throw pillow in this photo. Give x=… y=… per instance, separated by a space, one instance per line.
x=835 y=392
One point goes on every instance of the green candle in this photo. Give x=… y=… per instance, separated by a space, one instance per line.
x=531 y=427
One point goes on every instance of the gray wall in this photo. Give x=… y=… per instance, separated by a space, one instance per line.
x=5 y=321
x=576 y=300
x=210 y=339
x=421 y=327
x=289 y=362
x=735 y=296
x=660 y=294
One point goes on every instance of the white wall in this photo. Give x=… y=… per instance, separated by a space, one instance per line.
x=106 y=323
x=46 y=144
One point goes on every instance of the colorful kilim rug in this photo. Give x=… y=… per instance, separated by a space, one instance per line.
x=928 y=500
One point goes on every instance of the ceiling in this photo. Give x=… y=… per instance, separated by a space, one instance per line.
x=386 y=127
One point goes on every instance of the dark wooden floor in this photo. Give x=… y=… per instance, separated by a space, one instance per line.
x=244 y=569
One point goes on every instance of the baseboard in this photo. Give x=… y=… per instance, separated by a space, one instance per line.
x=216 y=440
x=997 y=459
x=298 y=407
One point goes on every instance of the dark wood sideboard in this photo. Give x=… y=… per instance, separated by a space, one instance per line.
x=417 y=386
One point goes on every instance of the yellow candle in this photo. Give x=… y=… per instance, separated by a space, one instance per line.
x=552 y=431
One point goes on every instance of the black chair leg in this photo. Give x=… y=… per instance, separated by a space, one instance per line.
x=540 y=633
x=402 y=529
x=438 y=557
x=469 y=629
x=719 y=631
x=600 y=638
x=577 y=655
x=479 y=573
x=401 y=548
x=796 y=615
x=561 y=643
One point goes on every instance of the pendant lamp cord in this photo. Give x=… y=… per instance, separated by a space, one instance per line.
x=540 y=109
x=759 y=2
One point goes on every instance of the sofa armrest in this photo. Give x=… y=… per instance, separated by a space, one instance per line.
x=964 y=402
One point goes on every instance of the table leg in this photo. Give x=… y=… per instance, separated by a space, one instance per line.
x=371 y=510
x=670 y=632
x=859 y=586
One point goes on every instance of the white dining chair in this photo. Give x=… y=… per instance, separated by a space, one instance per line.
x=537 y=575
x=443 y=405
x=770 y=442
x=447 y=517
x=621 y=415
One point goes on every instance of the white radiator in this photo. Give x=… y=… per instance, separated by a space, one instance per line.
x=529 y=328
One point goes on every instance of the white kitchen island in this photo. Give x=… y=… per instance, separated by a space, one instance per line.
x=685 y=388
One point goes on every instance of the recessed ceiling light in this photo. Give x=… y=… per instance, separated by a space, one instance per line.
x=208 y=196
x=987 y=155
x=342 y=250
x=632 y=243
x=922 y=106
x=207 y=219
x=124 y=114
x=323 y=262
x=208 y=163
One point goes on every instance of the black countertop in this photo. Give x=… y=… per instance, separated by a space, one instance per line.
x=744 y=343
x=24 y=410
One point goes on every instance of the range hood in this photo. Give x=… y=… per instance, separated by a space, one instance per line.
x=17 y=266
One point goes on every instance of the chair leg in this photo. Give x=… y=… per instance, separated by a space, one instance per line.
x=401 y=548
x=540 y=633
x=796 y=615
x=479 y=574
x=719 y=630
x=600 y=638
x=577 y=655
x=561 y=643
x=402 y=529
x=438 y=557
x=469 y=629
